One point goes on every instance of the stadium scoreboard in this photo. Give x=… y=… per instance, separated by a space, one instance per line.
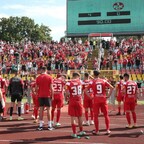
x=105 y=16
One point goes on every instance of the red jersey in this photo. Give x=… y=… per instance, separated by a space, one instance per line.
x=131 y=91
x=44 y=82
x=75 y=89
x=58 y=86
x=99 y=87
x=32 y=85
x=119 y=87
x=3 y=84
x=90 y=91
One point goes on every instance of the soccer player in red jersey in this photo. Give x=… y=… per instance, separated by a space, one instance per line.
x=75 y=107
x=88 y=101
x=2 y=104
x=119 y=94
x=44 y=89
x=99 y=87
x=3 y=86
x=35 y=101
x=57 y=102
x=131 y=93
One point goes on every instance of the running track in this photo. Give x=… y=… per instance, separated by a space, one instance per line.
x=24 y=132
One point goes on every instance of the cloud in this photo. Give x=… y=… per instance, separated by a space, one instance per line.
x=3 y=15
x=48 y=12
x=54 y=11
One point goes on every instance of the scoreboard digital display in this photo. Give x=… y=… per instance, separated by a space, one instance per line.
x=105 y=16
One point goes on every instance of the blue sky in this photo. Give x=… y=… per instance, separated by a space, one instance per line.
x=51 y=13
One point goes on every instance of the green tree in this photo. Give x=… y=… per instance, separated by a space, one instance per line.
x=15 y=29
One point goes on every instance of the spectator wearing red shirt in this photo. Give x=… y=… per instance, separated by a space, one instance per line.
x=44 y=90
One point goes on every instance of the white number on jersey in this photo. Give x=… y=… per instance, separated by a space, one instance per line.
x=76 y=90
x=131 y=89
x=99 y=88
x=57 y=87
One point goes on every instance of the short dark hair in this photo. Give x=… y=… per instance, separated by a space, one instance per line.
x=126 y=75
x=43 y=68
x=75 y=74
x=86 y=74
x=121 y=77
x=96 y=73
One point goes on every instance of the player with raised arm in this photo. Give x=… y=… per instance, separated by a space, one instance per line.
x=131 y=93
x=57 y=102
x=99 y=87
x=88 y=101
x=75 y=107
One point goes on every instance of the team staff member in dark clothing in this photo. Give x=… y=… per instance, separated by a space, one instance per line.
x=16 y=93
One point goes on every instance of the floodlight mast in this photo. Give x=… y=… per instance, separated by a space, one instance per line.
x=100 y=46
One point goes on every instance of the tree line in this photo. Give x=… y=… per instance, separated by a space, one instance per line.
x=16 y=29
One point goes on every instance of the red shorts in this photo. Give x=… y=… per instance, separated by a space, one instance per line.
x=103 y=106
x=120 y=98
x=88 y=103
x=75 y=108
x=35 y=101
x=130 y=106
x=57 y=103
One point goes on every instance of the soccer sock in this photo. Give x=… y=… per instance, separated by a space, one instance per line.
x=40 y=123
x=128 y=117
x=58 y=115
x=96 y=122
x=52 y=114
x=11 y=111
x=107 y=121
x=35 y=112
x=49 y=124
x=91 y=113
x=81 y=128
x=86 y=115
x=4 y=111
x=74 y=128
x=124 y=107
x=19 y=111
x=134 y=117
x=119 y=109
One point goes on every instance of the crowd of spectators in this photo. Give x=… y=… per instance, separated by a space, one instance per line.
x=127 y=54
x=28 y=57
x=61 y=56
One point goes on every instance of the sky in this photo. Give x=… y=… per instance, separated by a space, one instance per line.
x=51 y=13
